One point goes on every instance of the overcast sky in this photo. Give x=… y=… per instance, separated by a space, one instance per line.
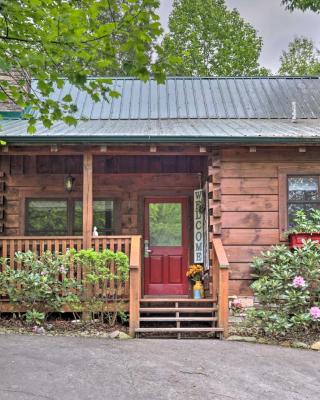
x=276 y=26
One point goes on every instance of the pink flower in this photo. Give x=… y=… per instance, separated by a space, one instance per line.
x=299 y=282
x=62 y=269
x=44 y=273
x=236 y=303
x=315 y=312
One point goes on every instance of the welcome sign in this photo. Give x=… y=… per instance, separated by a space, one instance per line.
x=198 y=226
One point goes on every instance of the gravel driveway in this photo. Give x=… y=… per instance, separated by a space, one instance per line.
x=69 y=368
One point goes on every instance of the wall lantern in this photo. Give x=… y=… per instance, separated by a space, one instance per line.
x=69 y=183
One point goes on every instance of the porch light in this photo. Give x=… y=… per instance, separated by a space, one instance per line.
x=69 y=183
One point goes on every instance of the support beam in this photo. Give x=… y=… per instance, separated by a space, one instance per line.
x=87 y=200
x=135 y=284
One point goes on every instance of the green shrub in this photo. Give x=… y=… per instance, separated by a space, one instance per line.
x=306 y=222
x=287 y=286
x=105 y=274
x=40 y=283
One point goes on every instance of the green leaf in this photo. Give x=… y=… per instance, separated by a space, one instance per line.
x=67 y=98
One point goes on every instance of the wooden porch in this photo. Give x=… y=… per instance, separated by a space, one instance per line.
x=130 y=292
x=25 y=175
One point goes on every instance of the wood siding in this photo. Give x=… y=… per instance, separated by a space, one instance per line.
x=251 y=202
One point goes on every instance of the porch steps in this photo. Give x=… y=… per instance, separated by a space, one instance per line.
x=196 y=330
x=181 y=310
x=178 y=317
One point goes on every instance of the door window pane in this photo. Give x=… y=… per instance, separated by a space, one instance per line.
x=165 y=224
x=47 y=217
x=303 y=194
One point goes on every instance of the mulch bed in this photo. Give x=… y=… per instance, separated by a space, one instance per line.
x=307 y=337
x=60 y=326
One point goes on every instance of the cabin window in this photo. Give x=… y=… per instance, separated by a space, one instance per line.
x=303 y=194
x=61 y=217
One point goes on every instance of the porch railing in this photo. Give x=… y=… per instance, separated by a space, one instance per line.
x=220 y=287
x=130 y=245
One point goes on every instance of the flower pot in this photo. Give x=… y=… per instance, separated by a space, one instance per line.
x=198 y=292
x=296 y=239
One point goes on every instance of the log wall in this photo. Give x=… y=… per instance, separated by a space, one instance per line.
x=127 y=184
x=251 y=203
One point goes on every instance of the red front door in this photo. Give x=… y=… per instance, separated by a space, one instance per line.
x=165 y=246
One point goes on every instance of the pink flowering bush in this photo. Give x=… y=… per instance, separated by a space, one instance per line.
x=287 y=286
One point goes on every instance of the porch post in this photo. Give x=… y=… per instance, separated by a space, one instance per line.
x=87 y=200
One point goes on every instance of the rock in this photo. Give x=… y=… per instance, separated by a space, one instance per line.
x=316 y=346
x=263 y=341
x=114 y=334
x=235 y=338
x=124 y=336
x=249 y=339
x=76 y=321
x=300 y=345
x=285 y=344
x=39 y=330
x=49 y=327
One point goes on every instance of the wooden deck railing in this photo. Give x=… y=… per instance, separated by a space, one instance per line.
x=220 y=275
x=130 y=245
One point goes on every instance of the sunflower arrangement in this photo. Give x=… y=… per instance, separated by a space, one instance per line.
x=195 y=272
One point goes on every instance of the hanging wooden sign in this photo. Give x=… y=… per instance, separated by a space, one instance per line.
x=198 y=214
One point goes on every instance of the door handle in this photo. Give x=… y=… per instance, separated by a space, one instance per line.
x=147 y=251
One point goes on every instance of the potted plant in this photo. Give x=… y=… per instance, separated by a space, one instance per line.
x=194 y=273
x=306 y=226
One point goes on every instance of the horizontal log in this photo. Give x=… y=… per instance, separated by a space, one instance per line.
x=250 y=236
x=12 y=206
x=271 y=154
x=249 y=202
x=12 y=220
x=244 y=253
x=240 y=271
x=249 y=186
x=248 y=219
x=174 y=149
x=244 y=170
x=240 y=287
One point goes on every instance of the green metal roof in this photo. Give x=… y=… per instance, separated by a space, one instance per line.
x=220 y=110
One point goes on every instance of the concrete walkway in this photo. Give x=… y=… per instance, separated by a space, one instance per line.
x=68 y=368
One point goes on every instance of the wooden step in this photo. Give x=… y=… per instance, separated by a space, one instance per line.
x=178 y=309
x=175 y=300
x=179 y=330
x=178 y=319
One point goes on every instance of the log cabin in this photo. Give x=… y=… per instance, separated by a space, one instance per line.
x=195 y=170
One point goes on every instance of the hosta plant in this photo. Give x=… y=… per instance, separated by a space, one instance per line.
x=287 y=287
